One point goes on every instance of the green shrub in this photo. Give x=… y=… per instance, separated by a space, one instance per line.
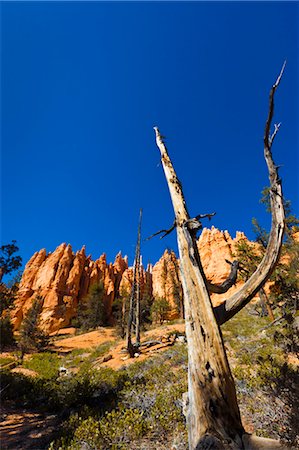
x=45 y=364
x=6 y=332
x=102 y=349
x=166 y=413
x=122 y=426
x=87 y=432
x=6 y=360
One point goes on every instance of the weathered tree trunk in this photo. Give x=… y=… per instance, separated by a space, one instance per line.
x=138 y=311
x=123 y=318
x=265 y=301
x=130 y=346
x=213 y=413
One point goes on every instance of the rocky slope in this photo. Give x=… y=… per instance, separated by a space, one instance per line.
x=63 y=278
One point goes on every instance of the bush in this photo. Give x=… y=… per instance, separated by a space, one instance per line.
x=74 y=390
x=45 y=364
x=6 y=333
x=122 y=426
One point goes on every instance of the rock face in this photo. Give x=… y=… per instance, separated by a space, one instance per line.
x=166 y=283
x=63 y=278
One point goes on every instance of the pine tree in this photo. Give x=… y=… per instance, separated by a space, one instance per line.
x=8 y=261
x=159 y=310
x=31 y=336
x=6 y=332
x=91 y=310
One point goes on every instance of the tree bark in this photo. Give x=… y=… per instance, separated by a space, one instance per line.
x=213 y=415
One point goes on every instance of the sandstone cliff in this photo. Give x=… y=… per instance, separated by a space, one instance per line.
x=63 y=278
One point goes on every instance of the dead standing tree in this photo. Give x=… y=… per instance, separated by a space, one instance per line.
x=135 y=298
x=213 y=416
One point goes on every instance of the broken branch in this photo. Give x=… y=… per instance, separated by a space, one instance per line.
x=166 y=232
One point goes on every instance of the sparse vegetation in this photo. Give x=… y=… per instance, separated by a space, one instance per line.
x=140 y=406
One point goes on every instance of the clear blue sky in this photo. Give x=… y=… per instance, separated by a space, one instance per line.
x=82 y=86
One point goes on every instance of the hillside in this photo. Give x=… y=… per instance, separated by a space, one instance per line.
x=137 y=403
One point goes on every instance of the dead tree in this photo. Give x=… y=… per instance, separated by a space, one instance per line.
x=134 y=290
x=138 y=293
x=212 y=412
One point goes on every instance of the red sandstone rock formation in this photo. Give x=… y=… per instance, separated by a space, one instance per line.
x=63 y=278
x=167 y=283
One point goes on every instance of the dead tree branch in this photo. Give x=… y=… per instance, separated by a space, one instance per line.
x=228 y=283
x=166 y=232
x=238 y=300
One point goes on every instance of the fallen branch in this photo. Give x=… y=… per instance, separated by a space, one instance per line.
x=148 y=344
x=273 y=323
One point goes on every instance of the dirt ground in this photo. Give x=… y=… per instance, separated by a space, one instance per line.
x=119 y=357
x=24 y=430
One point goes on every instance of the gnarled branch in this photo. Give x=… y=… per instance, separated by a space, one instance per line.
x=228 y=283
x=238 y=300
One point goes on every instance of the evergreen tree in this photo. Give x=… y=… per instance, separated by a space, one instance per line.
x=6 y=332
x=8 y=261
x=31 y=336
x=91 y=310
x=120 y=312
x=284 y=291
x=159 y=310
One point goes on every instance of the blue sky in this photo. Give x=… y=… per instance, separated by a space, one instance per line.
x=83 y=84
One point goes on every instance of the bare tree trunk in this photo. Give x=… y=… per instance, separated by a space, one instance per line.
x=265 y=301
x=130 y=346
x=138 y=311
x=213 y=413
x=123 y=317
